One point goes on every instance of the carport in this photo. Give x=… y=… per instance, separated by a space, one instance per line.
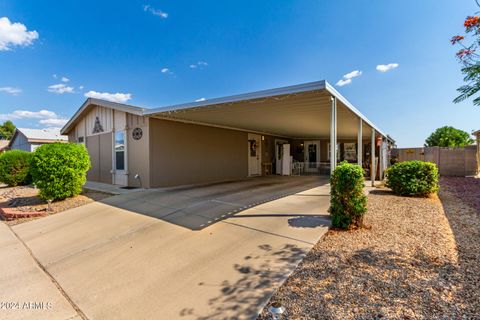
x=303 y=114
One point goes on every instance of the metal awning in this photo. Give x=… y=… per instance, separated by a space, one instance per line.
x=300 y=111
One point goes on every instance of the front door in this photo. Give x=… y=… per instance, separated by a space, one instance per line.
x=120 y=158
x=312 y=155
x=254 y=155
x=279 y=155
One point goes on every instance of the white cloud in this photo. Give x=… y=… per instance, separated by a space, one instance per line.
x=114 y=97
x=46 y=117
x=54 y=122
x=155 y=12
x=347 y=78
x=60 y=88
x=201 y=99
x=165 y=70
x=11 y=90
x=387 y=67
x=65 y=79
x=343 y=82
x=80 y=87
x=353 y=74
x=14 y=34
x=199 y=64
x=54 y=76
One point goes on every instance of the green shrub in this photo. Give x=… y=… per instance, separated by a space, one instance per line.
x=348 y=203
x=59 y=170
x=15 y=167
x=412 y=178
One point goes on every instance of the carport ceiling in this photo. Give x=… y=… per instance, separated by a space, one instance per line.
x=295 y=115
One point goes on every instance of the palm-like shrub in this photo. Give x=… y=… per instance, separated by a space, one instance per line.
x=59 y=170
x=348 y=203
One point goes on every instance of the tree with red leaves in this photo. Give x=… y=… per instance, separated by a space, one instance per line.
x=468 y=57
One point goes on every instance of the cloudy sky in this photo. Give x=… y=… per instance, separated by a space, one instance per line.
x=391 y=59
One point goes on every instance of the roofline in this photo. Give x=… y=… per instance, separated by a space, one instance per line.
x=304 y=87
x=102 y=103
x=350 y=106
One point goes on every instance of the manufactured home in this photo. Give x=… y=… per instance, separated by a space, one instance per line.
x=304 y=129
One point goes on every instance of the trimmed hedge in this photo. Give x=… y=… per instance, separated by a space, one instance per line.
x=413 y=178
x=15 y=167
x=59 y=170
x=348 y=203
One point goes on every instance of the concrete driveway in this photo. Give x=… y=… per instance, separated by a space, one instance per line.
x=188 y=254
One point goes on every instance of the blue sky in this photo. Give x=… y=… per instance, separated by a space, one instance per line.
x=159 y=53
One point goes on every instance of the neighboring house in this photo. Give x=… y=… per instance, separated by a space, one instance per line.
x=3 y=145
x=282 y=130
x=30 y=139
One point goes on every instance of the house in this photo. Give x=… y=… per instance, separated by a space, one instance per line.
x=3 y=145
x=30 y=139
x=300 y=129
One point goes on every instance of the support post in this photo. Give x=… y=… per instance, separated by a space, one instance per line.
x=372 y=156
x=380 y=160
x=360 y=143
x=333 y=135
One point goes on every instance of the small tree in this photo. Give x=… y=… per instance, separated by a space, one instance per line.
x=14 y=167
x=348 y=203
x=59 y=170
x=6 y=130
x=448 y=137
x=469 y=58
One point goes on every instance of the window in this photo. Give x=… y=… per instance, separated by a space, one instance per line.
x=81 y=140
x=120 y=150
x=350 y=151
x=338 y=151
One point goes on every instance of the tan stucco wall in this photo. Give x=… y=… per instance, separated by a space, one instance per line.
x=138 y=152
x=187 y=154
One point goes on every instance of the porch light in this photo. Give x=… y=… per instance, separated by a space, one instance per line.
x=276 y=310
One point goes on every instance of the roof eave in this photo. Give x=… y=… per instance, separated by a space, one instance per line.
x=310 y=86
x=102 y=103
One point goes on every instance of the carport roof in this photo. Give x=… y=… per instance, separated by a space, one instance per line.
x=295 y=107
x=300 y=111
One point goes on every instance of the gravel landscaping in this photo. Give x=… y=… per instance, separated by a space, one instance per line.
x=24 y=199
x=419 y=259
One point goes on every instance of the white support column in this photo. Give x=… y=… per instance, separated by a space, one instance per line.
x=333 y=135
x=360 y=142
x=372 y=159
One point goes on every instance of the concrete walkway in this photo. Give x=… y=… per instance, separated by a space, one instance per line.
x=117 y=263
x=26 y=291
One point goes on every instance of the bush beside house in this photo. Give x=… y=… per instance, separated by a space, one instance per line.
x=15 y=167
x=59 y=170
x=412 y=178
x=348 y=203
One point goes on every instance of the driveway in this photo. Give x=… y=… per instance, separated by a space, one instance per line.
x=184 y=254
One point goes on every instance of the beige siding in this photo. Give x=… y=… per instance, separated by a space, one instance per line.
x=104 y=116
x=138 y=152
x=100 y=150
x=187 y=154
